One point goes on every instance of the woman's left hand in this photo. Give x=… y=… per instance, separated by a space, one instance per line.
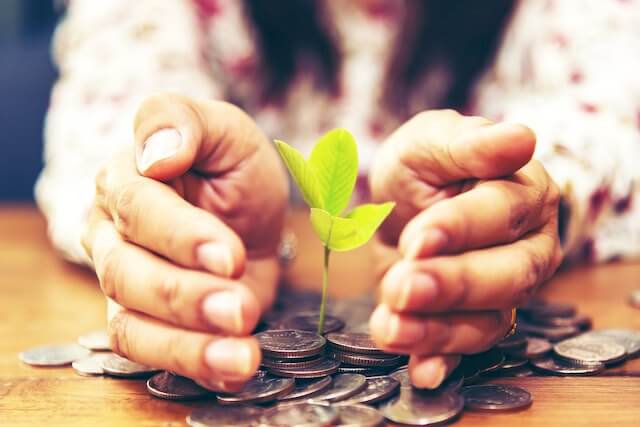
x=473 y=235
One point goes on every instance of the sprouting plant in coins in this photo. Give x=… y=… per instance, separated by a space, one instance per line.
x=326 y=180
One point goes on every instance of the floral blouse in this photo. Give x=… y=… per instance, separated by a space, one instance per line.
x=569 y=69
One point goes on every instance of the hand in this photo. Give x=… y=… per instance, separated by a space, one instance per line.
x=474 y=233
x=183 y=236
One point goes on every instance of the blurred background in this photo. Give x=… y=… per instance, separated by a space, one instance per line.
x=26 y=76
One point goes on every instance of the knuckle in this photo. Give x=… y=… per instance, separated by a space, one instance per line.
x=125 y=208
x=108 y=271
x=533 y=266
x=169 y=295
x=518 y=223
x=119 y=336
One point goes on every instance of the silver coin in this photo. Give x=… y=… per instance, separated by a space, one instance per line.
x=552 y=333
x=627 y=338
x=166 y=385
x=368 y=360
x=306 y=388
x=319 y=370
x=549 y=310
x=358 y=416
x=550 y=365
x=412 y=408
x=512 y=343
x=95 y=341
x=53 y=355
x=537 y=347
x=342 y=387
x=580 y=321
x=353 y=342
x=522 y=371
x=304 y=414
x=452 y=383
x=117 y=366
x=308 y=321
x=290 y=363
x=377 y=389
x=513 y=362
x=495 y=397
x=585 y=349
x=258 y=389
x=91 y=365
x=289 y=343
x=225 y=416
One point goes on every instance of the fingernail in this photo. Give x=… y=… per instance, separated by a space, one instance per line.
x=387 y=325
x=161 y=145
x=230 y=358
x=429 y=375
x=216 y=258
x=224 y=310
x=427 y=243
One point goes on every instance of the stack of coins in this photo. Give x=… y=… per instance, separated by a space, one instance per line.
x=342 y=378
x=358 y=354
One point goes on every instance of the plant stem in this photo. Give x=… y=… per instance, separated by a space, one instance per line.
x=325 y=286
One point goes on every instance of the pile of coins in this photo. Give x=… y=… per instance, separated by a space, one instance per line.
x=342 y=378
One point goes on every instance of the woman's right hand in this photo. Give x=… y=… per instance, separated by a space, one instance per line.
x=183 y=235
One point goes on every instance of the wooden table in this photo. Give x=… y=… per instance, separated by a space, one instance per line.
x=45 y=300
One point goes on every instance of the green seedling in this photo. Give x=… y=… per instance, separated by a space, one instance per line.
x=326 y=181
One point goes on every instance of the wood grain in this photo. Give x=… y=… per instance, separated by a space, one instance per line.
x=45 y=300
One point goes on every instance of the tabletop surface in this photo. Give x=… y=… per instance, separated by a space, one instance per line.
x=44 y=300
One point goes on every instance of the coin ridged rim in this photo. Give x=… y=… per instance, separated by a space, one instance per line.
x=316 y=386
x=196 y=393
x=565 y=367
x=366 y=371
x=490 y=404
x=331 y=395
x=339 y=341
x=95 y=362
x=366 y=361
x=308 y=372
x=376 y=395
x=563 y=349
x=290 y=364
x=285 y=387
x=315 y=345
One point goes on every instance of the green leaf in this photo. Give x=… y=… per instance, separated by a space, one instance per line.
x=334 y=161
x=353 y=231
x=302 y=174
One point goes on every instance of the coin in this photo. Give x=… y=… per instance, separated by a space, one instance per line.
x=367 y=360
x=289 y=343
x=323 y=368
x=484 y=362
x=306 y=388
x=584 y=349
x=549 y=310
x=552 y=333
x=495 y=397
x=376 y=389
x=452 y=383
x=353 y=342
x=550 y=365
x=53 y=355
x=513 y=343
x=225 y=416
x=634 y=298
x=289 y=363
x=95 y=341
x=166 y=385
x=258 y=389
x=308 y=321
x=118 y=366
x=342 y=387
x=357 y=416
x=627 y=338
x=91 y=365
x=512 y=362
x=411 y=408
x=522 y=371
x=537 y=347
x=299 y=414
x=579 y=320
x=367 y=372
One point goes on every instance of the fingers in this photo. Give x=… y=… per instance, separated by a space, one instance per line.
x=142 y=281
x=442 y=147
x=153 y=215
x=493 y=278
x=452 y=333
x=219 y=362
x=174 y=133
x=493 y=212
x=430 y=371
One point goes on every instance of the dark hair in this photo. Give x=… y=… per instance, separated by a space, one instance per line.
x=462 y=34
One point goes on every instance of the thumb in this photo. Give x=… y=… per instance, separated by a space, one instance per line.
x=175 y=133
